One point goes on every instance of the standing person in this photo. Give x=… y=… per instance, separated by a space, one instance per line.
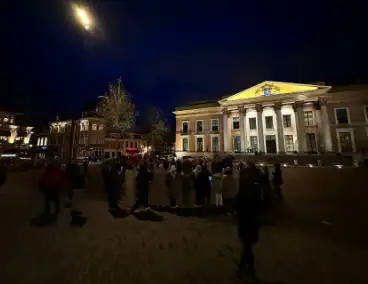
x=144 y=177
x=172 y=183
x=228 y=190
x=79 y=185
x=204 y=185
x=50 y=185
x=247 y=205
x=3 y=174
x=277 y=182
x=216 y=197
x=72 y=172
x=111 y=179
x=266 y=187
x=197 y=186
x=186 y=184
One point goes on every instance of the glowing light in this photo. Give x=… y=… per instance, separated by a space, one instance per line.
x=83 y=17
x=285 y=165
x=310 y=165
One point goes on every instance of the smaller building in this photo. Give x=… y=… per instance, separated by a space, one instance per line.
x=130 y=142
x=15 y=132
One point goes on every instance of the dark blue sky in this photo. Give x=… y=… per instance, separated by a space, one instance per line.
x=172 y=52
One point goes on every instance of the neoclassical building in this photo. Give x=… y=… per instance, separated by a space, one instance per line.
x=277 y=118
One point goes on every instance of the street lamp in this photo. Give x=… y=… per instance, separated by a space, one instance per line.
x=83 y=17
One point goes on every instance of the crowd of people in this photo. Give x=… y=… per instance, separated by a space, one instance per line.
x=211 y=183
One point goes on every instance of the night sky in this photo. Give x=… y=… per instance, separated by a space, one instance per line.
x=170 y=53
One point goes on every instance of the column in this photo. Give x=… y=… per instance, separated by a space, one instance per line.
x=326 y=127
x=280 y=128
x=225 y=127
x=261 y=146
x=300 y=127
x=242 y=128
x=320 y=134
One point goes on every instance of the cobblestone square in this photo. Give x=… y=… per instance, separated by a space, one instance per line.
x=176 y=250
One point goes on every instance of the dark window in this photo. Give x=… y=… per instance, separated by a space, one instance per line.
x=252 y=123
x=346 y=144
x=199 y=126
x=236 y=123
x=269 y=122
x=286 y=120
x=342 y=115
x=311 y=142
x=185 y=127
x=214 y=124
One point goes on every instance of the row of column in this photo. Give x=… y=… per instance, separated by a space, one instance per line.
x=321 y=119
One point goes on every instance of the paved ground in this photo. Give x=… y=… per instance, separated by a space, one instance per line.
x=177 y=250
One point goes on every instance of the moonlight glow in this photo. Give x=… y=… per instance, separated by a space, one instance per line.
x=83 y=17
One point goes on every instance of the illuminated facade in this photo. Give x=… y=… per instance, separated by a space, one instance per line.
x=277 y=118
x=12 y=134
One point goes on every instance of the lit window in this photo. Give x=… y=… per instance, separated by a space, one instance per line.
x=101 y=127
x=289 y=143
x=236 y=123
x=215 y=144
x=237 y=144
x=185 y=144
x=199 y=144
x=308 y=118
x=94 y=126
x=253 y=143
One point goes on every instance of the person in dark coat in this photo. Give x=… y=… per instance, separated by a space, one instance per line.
x=144 y=177
x=247 y=204
x=112 y=184
x=202 y=184
x=277 y=182
x=3 y=173
x=77 y=184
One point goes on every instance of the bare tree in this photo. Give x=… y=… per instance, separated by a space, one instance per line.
x=117 y=109
x=158 y=127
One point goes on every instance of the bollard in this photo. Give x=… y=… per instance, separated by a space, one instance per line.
x=319 y=163
x=295 y=162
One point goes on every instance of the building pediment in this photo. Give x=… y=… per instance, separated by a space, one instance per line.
x=271 y=88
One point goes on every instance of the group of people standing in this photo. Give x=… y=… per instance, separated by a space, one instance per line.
x=53 y=180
